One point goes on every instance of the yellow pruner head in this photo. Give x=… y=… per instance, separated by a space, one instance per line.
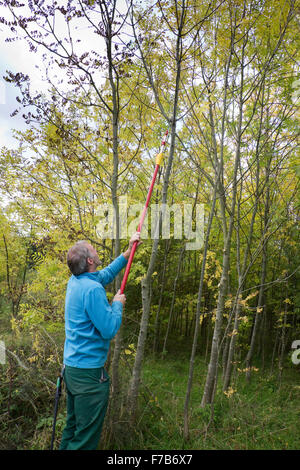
x=159 y=158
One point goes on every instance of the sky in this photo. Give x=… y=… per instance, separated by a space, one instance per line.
x=16 y=57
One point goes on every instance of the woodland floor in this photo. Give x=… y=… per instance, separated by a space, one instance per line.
x=261 y=415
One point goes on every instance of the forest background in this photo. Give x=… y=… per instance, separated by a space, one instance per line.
x=207 y=356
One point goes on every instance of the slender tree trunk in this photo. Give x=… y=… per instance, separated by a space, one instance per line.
x=146 y=282
x=260 y=306
x=214 y=355
x=8 y=281
x=173 y=298
x=283 y=340
x=115 y=402
x=156 y=324
x=197 y=316
x=233 y=338
x=274 y=351
x=15 y=292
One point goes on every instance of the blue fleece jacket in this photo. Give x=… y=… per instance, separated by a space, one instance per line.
x=90 y=321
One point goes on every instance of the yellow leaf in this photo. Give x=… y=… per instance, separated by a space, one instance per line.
x=250 y=296
x=233 y=333
x=244 y=319
x=229 y=392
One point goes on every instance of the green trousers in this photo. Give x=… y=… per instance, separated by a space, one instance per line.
x=87 y=399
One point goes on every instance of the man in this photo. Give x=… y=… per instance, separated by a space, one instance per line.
x=90 y=323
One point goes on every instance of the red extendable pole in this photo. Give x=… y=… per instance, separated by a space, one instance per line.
x=131 y=256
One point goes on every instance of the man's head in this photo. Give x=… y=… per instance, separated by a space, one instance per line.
x=82 y=257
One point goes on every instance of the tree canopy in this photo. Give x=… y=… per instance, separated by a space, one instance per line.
x=223 y=77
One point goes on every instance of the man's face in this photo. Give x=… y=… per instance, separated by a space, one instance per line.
x=95 y=257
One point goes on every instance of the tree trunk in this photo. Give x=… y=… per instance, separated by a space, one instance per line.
x=214 y=355
x=146 y=282
x=197 y=316
x=260 y=306
x=156 y=324
x=173 y=299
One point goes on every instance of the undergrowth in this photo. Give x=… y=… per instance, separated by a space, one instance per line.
x=263 y=414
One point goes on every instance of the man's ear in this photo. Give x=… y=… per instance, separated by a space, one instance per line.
x=90 y=260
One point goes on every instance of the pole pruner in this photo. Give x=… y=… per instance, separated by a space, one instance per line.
x=158 y=162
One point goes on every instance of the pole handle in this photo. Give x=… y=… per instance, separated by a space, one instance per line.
x=128 y=266
x=158 y=162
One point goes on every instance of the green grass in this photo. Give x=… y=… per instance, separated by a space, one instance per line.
x=262 y=415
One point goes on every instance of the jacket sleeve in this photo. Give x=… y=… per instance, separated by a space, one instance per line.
x=105 y=317
x=107 y=275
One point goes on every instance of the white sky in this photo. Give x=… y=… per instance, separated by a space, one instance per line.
x=16 y=57
x=12 y=57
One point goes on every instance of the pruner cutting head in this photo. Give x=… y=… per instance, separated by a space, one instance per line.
x=159 y=156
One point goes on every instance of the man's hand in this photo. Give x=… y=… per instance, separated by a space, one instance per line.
x=136 y=237
x=119 y=297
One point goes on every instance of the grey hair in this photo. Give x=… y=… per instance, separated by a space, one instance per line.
x=77 y=257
